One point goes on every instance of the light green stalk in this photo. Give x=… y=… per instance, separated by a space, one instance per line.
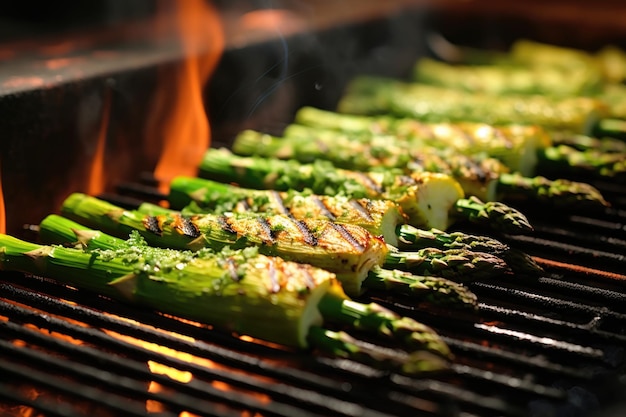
x=430 y=200
x=238 y=291
x=486 y=178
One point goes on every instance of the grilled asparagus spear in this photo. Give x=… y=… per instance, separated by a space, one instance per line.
x=201 y=196
x=486 y=178
x=369 y=95
x=503 y=80
x=59 y=230
x=430 y=201
x=237 y=291
x=528 y=150
x=348 y=251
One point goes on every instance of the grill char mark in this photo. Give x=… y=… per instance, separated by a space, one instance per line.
x=280 y=203
x=307 y=235
x=188 y=227
x=151 y=223
x=224 y=223
x=361 y=210
x=324 y=208
x=347 y=236
x=270 y=237
x=369 y=182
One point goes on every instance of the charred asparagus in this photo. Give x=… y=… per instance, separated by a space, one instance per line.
x=430 y=201
x=200 y=196
x=349 y=251
x=238 y=291
x=486 y=178
x=368 y=95
x=528 y=150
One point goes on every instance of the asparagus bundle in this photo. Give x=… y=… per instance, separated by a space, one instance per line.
x=524 y=149
x=236 y=291
x=349 y=251
x=436 y=290
x=486 y=178
x=503 y=80
x=380 y=217
x=609 y=62
x=430 y=201
x=370 y=95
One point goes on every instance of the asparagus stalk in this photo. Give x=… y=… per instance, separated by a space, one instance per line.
x=59 y=230
x=485 y=178
x=346 y=250
x=203 y=196
x=528 y=150
x=515 y=145
x=503 y=80
x=411 y=238
x=368 y=95
x=429 y=201
x=237 y=291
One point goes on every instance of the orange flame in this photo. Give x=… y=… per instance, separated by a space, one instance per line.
x=96 y=182
x=185 y=128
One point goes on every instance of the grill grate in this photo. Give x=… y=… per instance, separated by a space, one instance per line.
x=551 y=345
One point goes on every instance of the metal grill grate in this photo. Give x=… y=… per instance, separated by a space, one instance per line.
x=551 y=345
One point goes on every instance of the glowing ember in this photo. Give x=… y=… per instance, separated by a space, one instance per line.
x=96 y=183
x=182 y=122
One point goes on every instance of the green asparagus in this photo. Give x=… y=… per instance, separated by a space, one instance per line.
x=201 y=196
x=429 y=201
x=346 y=250
x=486 y=178
x=528 y=150
x=369 y=95
x=236 y=291
x=503 y=80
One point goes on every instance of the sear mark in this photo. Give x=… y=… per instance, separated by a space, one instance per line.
x=224 y=223
x=269 y=237
x=347 y=236
x=323 y=208
x=188 y=228
x=278 y=200
x=368 y=182
x=361 y=210
x=307 y=235
x=151 y=223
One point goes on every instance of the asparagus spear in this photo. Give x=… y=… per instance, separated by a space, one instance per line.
x=59 y=230
x=346 y=250
x=429 y=201
x=485 y=178
x=503 y=80
x=238 y=291
x=201 y=196
x=528 y=150
x=368 y=95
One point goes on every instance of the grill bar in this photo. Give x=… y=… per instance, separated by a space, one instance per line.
x=117 y=403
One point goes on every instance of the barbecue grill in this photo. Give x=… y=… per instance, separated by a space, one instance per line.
x=546 y=346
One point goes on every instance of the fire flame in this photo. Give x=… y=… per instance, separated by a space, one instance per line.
x=184 y=126
x=96 y=183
